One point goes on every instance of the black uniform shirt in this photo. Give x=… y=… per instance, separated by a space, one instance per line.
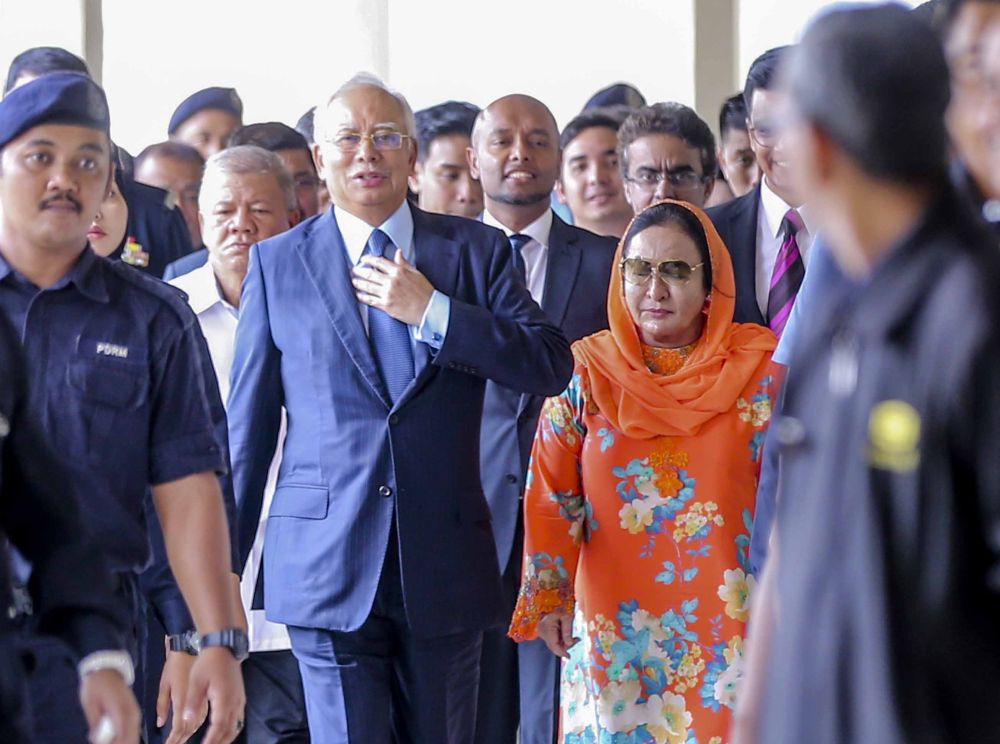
x=71 y=586
x=114 y=358
x=889 y=508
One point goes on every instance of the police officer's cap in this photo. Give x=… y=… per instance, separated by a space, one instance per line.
x=57 y=98
x=224 y=99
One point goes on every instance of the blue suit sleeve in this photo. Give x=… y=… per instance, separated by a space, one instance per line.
x=255 y=401
x=510 y=340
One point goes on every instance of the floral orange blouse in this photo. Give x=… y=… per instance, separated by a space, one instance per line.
x=645 y=541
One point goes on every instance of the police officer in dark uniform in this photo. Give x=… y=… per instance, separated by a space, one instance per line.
x=878 y=615
x=120 y=390
x=71 y=593
x=157 y=230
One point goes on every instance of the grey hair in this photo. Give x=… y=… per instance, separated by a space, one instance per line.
x=241 y=160
x=360 y=80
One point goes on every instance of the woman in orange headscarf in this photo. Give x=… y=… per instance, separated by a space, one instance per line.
x=640 y=495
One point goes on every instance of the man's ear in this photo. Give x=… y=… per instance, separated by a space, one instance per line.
x=414 y=180
x=560 y=192
x=470 y=155
x=317 y=154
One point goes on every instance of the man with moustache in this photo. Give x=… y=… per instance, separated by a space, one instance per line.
x=590 y=182
x=441 y=179
x=120 y=391
x=766 y=230
x=515 y=155
x=377 y=326
x=666 y=151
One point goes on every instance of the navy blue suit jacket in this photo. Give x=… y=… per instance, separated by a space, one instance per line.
x=352 y=461
x=736 y=222
x=575 y=299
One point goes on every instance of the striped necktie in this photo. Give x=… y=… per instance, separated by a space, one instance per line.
x=517 y=242
x=389 y=338
x=787 y=275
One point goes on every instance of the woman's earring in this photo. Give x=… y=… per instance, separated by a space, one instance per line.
x=708 y=304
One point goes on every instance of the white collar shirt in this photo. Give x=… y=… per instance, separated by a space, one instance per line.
x=770 y=236
x=218 y=319
x=535 y=252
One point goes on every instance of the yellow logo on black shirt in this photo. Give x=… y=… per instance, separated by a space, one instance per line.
x=894 y=436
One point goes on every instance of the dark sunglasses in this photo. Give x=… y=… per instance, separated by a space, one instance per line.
x=637 y=270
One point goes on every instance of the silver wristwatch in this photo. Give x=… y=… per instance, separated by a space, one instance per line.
x=118 y=661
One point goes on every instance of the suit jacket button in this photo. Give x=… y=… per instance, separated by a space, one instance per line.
x=511 y=478
x=394 y=419
x=384 y=491
x=452 y=365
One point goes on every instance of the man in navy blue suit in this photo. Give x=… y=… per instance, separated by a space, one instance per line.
x=377 y=326
x=515 y=154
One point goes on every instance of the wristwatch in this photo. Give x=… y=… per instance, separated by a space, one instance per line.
x=116 y=661
x=235 y=639
x=186 y=642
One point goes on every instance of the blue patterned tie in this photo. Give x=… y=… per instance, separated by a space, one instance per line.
x=390 y=338
x=517 y=242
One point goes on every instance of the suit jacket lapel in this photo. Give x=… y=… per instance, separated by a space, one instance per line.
x=745 y=261
x=325 y=258
x=437 y=259
x=560 y=274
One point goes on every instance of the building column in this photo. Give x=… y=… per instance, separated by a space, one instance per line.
x=716 y=44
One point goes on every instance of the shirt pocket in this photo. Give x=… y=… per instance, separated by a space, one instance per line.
x=112 y=395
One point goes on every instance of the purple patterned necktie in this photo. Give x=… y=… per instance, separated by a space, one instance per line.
x=787 y=275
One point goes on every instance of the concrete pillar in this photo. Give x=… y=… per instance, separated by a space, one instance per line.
x=716 y=44
x=92 y=30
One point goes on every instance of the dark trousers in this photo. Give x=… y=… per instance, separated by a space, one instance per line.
x=15 y=720
x=381 y=685
x=519 y=682
x=54 y=684
x=276 y=705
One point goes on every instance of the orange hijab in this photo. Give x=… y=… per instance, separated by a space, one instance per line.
x=644 y=405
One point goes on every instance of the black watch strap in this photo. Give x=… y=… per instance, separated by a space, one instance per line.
x=235 y=639
x=186 y=642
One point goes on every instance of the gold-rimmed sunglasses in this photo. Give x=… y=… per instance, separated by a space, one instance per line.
x=637 y=270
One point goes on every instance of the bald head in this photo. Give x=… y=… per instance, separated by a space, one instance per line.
x=515 y=154
x=515 y=106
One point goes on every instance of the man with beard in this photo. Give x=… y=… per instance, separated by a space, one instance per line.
x=515 y=155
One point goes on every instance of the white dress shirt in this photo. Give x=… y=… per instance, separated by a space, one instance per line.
x=535 y=252
x=218 y=323
x=399 y=227
x=770 y=236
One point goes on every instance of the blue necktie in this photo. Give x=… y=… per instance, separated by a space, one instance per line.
x=517 y=242
x=389 y=338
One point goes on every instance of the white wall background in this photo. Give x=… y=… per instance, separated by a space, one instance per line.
x=283 y=55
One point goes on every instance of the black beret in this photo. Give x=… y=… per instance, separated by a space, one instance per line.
x=56 y=98
x=619 y=94
x=224 y=99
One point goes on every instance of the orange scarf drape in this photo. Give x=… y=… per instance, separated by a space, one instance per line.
x=642 y=404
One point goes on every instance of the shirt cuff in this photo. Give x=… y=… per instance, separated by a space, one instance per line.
x=434 y=325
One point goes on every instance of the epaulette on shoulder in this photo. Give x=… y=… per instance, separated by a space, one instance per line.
x=171 y=296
